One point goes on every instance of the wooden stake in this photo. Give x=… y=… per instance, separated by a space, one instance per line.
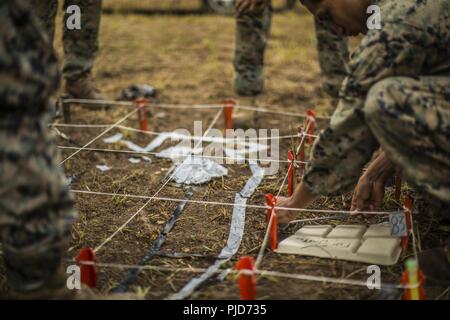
x=247 y=282
x=88 y=271
x=408 y=207
x=291 y=173
x=228 y=107
x=311 y=125
x=414 y=278
x=142 y=104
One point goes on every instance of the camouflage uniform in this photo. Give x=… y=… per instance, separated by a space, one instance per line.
x=252 y=33
x=396 y=96
x=80 y=46
x=333 y=58
x=35 y=206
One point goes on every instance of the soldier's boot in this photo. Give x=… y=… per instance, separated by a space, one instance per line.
x=56 y=289
x=249 y=83
x=83 y=88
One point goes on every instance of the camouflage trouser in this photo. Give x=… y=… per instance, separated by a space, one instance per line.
x=80 y=46
x=36 y=209
x=411 y=121
x=252 y=33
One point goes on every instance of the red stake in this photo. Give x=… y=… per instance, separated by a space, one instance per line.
x=301 y=151
x=419 y=278
x=291 y=173
x=247 y=282
x=228 y=107
x=408 y=206
x=398 y=187
x=270 y=202
x=88 y=271
x=141 y=104
x=273 y=231
x=311 y=125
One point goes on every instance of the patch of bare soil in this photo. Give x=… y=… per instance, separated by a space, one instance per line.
x=189 y=60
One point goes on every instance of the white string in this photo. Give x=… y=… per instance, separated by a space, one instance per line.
x=176 y=155
x=253 y=206
x=269 y=225
x=157 y=192
x=184 y=106
x=284 y=113
x=99 y=136
x=413 y=236
x=179 y=137
x=80 y=125
x=262 y=273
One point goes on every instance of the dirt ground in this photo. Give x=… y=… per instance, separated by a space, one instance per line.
x=189 y=60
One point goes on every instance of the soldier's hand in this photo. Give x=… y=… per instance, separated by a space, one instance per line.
x=250 y=5
x=285 y=216
x=369 y=192
x=368 y=195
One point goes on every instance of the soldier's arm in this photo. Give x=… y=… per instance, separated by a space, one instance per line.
x=342 y=150
x=250 y=5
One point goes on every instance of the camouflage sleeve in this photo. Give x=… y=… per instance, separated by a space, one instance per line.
x=333 y=58
x=342 y=150
x=28 y=66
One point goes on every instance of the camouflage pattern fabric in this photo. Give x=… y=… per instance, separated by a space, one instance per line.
x=397 y=96
x=252 y=34
x=80 y=46
x=333 y=58
x=36 y=210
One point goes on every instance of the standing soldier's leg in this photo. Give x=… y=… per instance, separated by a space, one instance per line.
x=80 y=49
x=252 y=33
x=36 y=210
x=290 y=4
x=205 y=5
x=333 y=58
x=45 y=10
x=411 y=121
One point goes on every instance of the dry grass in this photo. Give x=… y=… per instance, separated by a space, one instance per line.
x=189 y=60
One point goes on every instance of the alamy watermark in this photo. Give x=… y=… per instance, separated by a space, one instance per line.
x=236 y=146
x=73 y=281
x=374 y=280
x=374 y=21
x=73 y=22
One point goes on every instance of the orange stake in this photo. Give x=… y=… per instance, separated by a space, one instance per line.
x=398 y=187
x=311 y=125
x=408 y=206
x=141 y=104
x=247 y=282
x=414 y=278
x=301 y=151
x=273 y=230
x=228 y=107
x=88 y=271
x=291 y=173
x=270 y=202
